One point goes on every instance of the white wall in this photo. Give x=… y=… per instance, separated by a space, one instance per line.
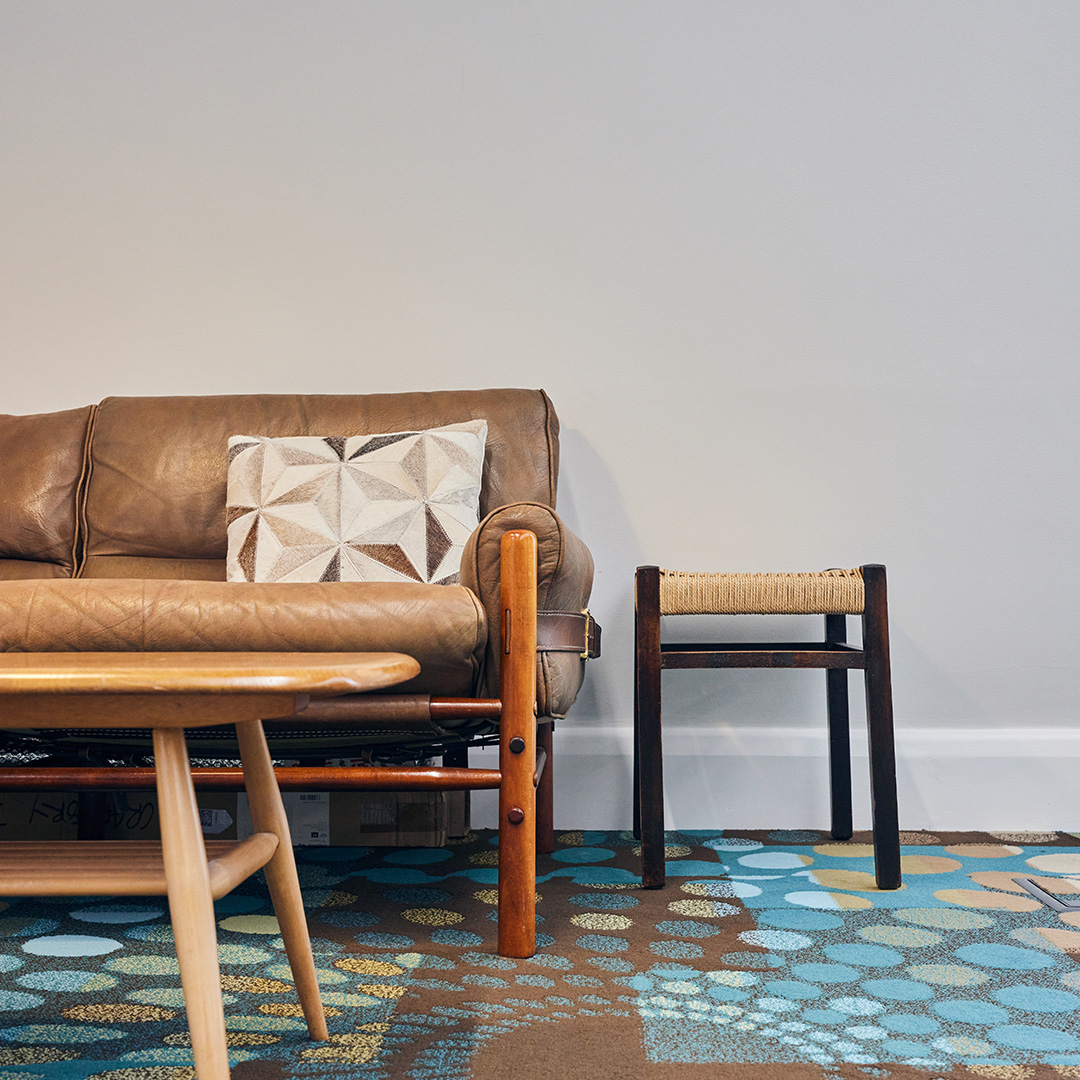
x=801 y=280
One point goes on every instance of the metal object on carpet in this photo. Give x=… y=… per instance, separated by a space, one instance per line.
x=1046 y=898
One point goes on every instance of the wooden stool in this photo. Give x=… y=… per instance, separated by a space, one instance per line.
x=832 y=593
x=168 y=692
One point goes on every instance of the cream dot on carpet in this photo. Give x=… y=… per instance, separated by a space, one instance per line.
x=1066 y=862
x=251 y=924
x=601 y=920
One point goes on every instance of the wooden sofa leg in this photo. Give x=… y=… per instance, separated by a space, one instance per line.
x=545 y=793
x=517 y=747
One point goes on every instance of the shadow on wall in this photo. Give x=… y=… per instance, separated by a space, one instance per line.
x=922 y=693
x=925 y=697
x=711 y=708
x=729 y=751
x=590 y=504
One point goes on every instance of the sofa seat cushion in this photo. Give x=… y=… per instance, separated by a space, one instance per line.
x=442 y=626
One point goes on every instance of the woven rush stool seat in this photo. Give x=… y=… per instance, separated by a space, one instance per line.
x=835 y=594
x=831 y=592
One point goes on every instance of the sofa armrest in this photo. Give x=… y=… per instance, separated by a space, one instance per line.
x=564 y=581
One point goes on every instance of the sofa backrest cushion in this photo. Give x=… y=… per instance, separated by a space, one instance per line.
x=42 y=459
x=155 y=502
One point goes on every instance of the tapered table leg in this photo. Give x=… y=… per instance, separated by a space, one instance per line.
x=191 y=907
x=268 y=815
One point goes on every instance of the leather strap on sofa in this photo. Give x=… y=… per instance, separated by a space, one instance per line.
x=568 y=631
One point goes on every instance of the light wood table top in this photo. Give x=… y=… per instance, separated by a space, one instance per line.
x=125 y=689
x=169 y=692
x=320 y=674
x=317 y=674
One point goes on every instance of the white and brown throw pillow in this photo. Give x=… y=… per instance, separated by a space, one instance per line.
x=395 y=507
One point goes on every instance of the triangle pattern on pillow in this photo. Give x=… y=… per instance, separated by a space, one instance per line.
x=387 y=507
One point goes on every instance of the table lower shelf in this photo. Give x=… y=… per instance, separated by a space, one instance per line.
x=120 y=867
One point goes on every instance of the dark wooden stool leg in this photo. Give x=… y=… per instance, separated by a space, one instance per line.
x=836 y=686
x=545 y=792
x=647 y=738
x=636 y=785
x=879 y=719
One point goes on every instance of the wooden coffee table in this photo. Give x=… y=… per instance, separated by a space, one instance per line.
x=168 y=692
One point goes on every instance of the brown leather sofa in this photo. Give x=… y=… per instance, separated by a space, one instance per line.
x=113 y=538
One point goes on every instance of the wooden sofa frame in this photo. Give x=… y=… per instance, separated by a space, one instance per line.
x=523 y=778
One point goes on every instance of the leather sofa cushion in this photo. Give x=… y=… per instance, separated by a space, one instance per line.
x=43 y=458
x=442 y=626
x=159 y=465
x=136 y=566
x=564 y=570
x=19 y=569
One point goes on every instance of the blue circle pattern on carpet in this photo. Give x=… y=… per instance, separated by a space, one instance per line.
x=933 y=975
x=842 y=1002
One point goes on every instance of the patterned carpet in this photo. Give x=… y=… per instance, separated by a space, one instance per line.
x=769 y=954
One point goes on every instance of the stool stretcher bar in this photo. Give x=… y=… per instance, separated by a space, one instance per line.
x=811 y=654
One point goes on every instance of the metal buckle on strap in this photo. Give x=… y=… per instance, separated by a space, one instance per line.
x=588 y=634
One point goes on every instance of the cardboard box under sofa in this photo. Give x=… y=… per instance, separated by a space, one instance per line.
x=320 y=819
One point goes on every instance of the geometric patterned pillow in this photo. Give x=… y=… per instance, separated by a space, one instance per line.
x=395 y=507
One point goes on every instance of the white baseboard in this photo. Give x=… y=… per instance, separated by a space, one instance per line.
x=739 y=778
